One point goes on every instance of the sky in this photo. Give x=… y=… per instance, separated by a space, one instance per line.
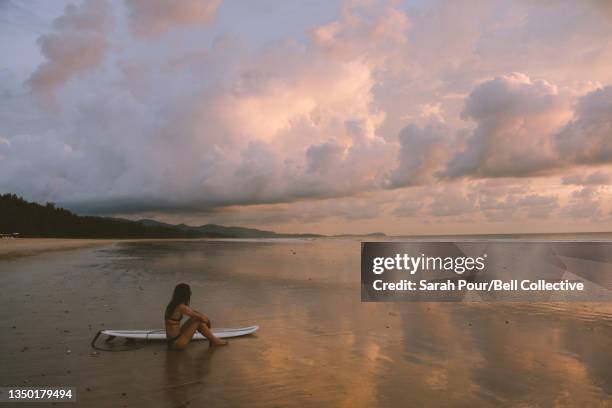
x=415 y=117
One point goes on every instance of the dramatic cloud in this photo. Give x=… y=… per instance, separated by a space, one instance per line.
x=422 y=151
x=516 y=118
x=342 y=116
x=77 y=45
x=149 y=18
x=523 y=128
x=588 y=138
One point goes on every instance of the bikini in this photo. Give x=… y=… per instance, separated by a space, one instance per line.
x=171 y=340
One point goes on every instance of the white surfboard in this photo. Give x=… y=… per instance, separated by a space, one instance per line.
x=161 y=334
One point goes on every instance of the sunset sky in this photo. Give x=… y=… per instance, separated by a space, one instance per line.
x=416 y=117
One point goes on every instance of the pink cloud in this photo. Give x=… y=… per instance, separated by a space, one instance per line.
x=77 y=45
x=150 y=18
x=365 y=109
x=516 y=118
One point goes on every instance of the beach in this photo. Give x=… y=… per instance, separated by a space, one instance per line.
x=318 y=344
x=11 y=248
x=18 y=247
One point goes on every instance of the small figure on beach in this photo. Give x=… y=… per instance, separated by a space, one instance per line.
x=177 y=335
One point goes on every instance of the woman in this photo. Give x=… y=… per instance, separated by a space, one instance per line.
x=179 y=336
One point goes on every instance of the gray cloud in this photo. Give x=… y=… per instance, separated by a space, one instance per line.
x=522 y=130
x=452 y=201
x=408 y=209
x=586 y=192
x=515 y=116
x=422 y=151
x=596 y=178
x=583 y=209
x=324 y=158
x=588 y=138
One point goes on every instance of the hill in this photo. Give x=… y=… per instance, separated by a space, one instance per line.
x=228 y=232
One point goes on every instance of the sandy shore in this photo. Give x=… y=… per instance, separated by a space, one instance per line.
x=14 y=248
x=19 y=247
x=318 y=344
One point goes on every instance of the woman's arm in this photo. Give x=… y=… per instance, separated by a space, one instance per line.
x=186 y=310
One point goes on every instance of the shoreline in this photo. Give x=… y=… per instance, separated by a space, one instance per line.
x=13 y=248
x=23 y=247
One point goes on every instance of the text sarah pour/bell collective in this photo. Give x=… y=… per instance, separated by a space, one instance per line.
x=459 y=265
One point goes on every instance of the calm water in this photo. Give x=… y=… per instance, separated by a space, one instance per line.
x=318 y=344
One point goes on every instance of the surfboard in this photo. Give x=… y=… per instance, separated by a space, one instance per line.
x=161 y=334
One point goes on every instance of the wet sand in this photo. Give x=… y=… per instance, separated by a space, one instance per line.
x=14 y=248
x=318 y=344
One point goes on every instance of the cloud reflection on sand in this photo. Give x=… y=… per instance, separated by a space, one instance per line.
x=318 y=344
x=321 y=345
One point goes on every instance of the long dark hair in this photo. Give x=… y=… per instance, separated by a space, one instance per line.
x=181 y=295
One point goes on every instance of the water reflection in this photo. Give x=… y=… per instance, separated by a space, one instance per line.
x=185 y=372
x=319 y=345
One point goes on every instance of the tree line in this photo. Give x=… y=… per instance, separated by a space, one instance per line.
x=35 y=220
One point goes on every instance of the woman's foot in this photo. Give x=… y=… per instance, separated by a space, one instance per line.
x=218 y=342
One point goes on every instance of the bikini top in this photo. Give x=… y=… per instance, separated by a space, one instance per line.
x=175 y=320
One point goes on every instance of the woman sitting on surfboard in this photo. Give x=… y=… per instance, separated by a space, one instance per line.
x=179 y=336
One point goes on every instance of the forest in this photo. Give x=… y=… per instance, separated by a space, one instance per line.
x=28 y=219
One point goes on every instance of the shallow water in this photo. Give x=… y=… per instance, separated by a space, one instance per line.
x=318 y=344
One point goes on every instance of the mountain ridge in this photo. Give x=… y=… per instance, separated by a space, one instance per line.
x=228 y=231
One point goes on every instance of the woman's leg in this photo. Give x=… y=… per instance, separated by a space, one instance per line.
x=187 y=331
x=189 y=328
x=204 y=328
